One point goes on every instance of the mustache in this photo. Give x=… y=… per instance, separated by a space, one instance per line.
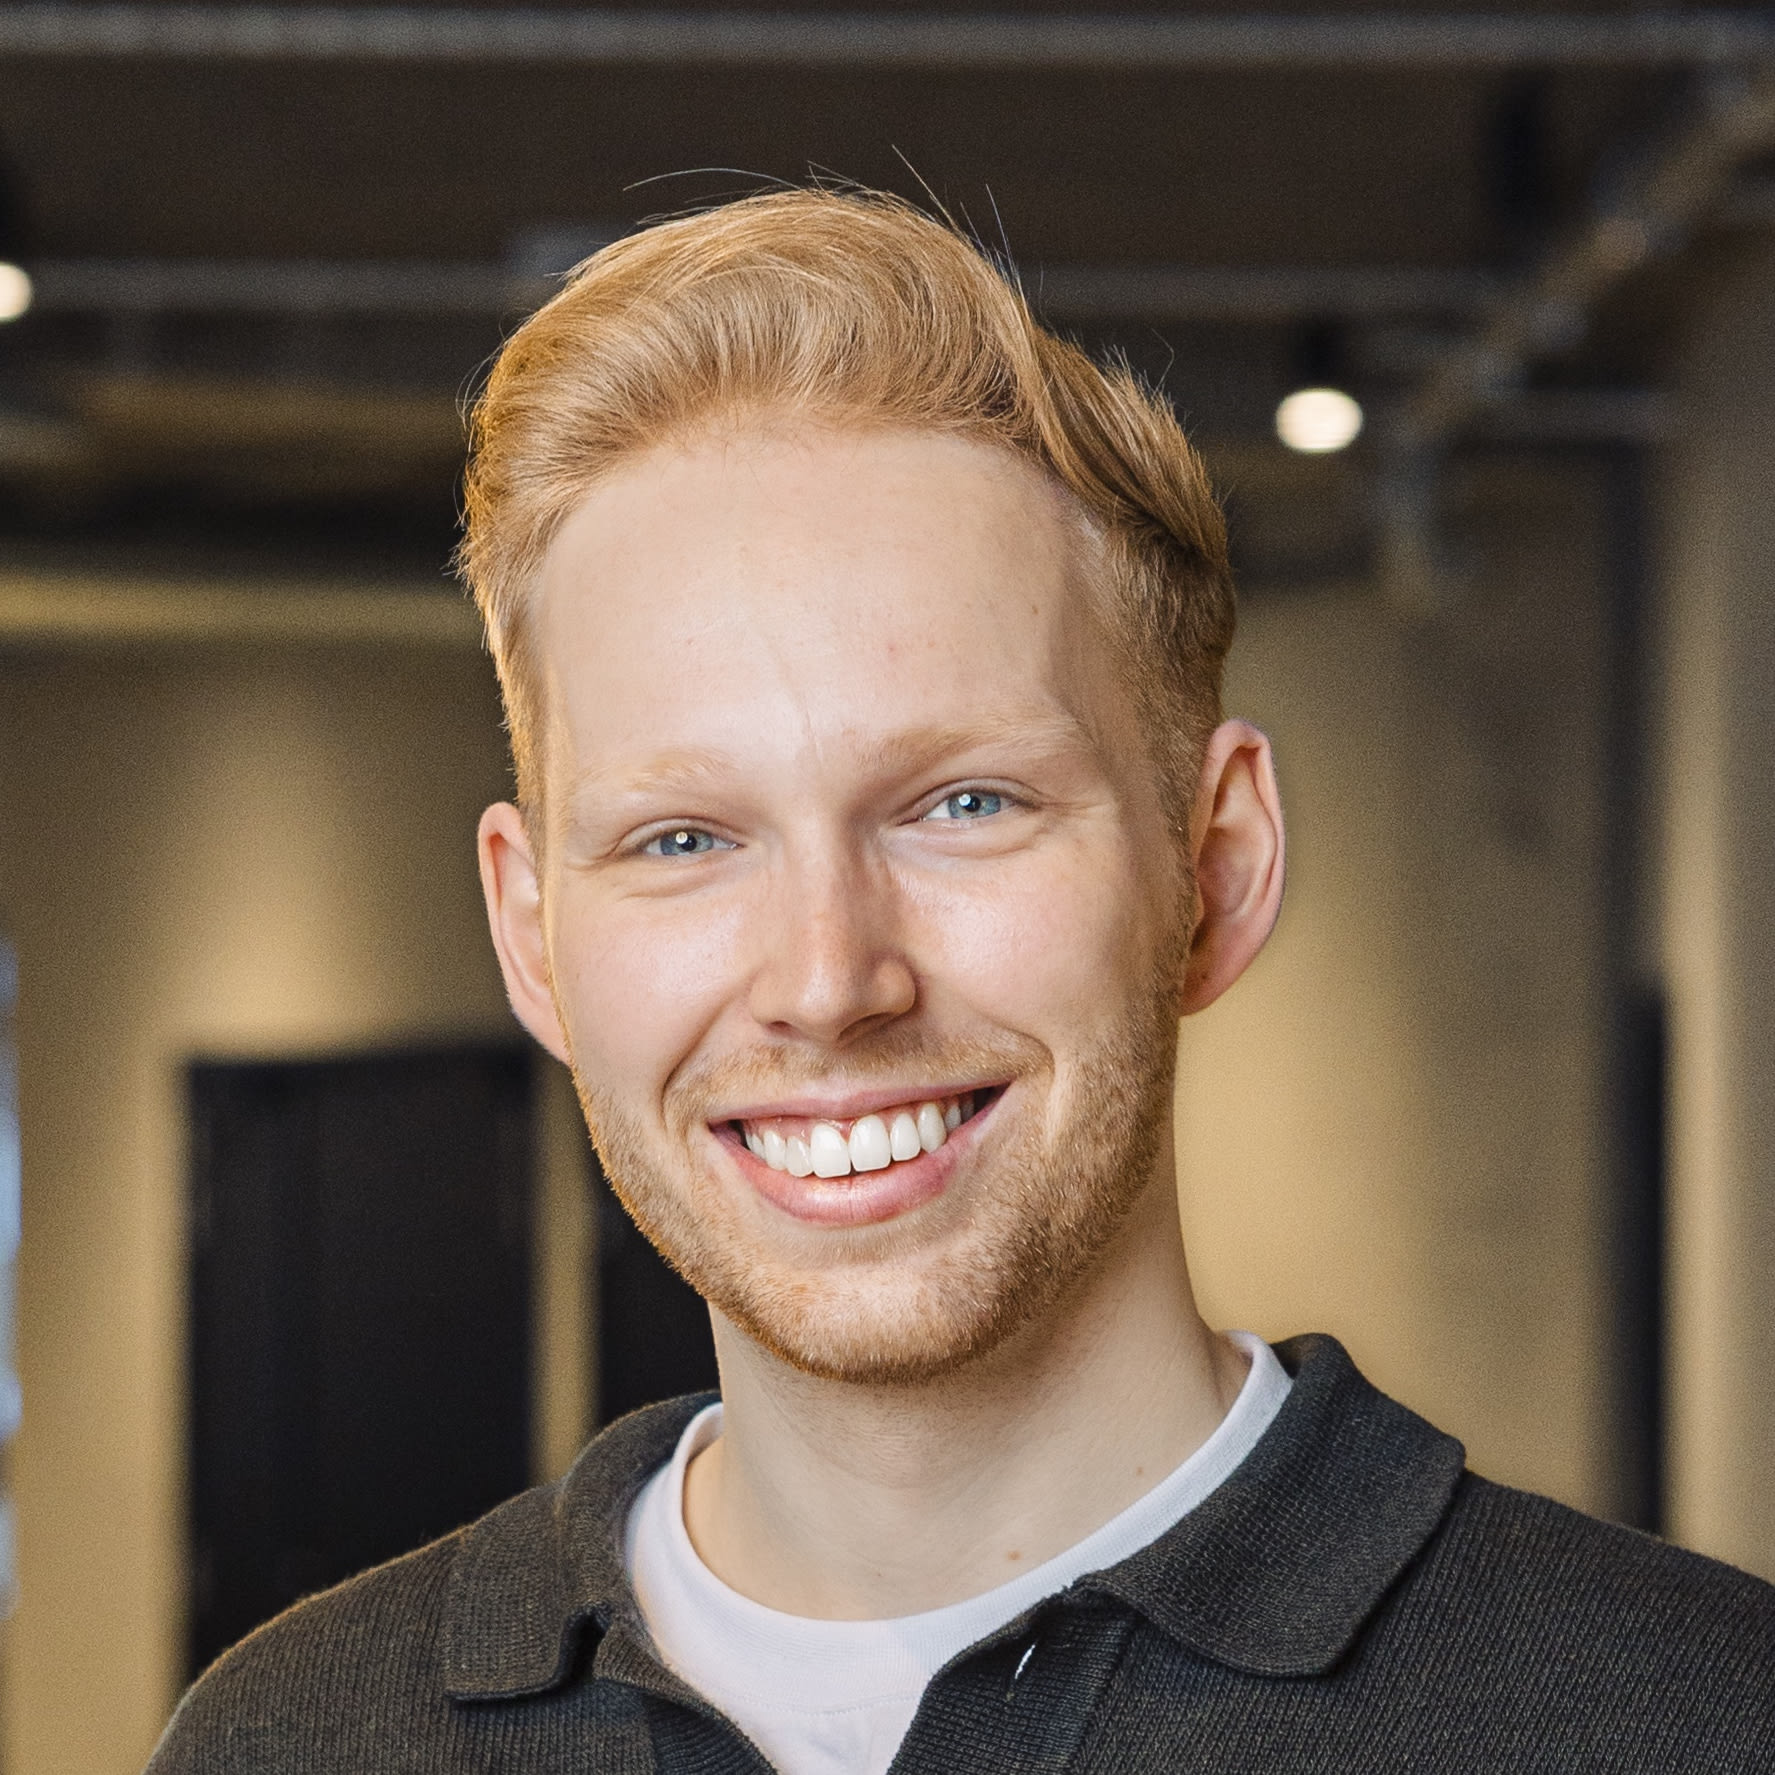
x=893 y=1056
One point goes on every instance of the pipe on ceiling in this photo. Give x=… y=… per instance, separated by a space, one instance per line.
x=1647 y=209
x=1070 y=292
x=937 y=40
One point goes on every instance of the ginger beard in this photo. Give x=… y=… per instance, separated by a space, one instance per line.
x=909 y=1300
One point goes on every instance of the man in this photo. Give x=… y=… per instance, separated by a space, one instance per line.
x=876 y=822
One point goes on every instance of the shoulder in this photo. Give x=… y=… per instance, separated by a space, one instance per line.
x=1565 y=1560
x=366 y=1655
x=1369 y=1554
x=1494 y=1572
x=1532 y=1590
x=365 y=1679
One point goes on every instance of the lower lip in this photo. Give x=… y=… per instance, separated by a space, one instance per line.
x=864 y=1198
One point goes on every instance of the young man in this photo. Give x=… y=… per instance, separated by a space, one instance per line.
x=876 y=822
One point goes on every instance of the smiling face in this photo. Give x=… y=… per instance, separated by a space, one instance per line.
x=863 y=923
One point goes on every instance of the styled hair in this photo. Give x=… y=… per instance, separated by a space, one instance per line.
x=850 y=308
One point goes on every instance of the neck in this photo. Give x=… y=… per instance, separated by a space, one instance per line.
x=847 y=1502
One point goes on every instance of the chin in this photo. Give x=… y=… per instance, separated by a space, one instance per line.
x=898 y=1330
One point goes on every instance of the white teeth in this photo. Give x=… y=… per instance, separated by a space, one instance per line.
x=869 y=1145
x=873 y=1144
x=932 y=1131
x=903 y=1140
x=831 y=1152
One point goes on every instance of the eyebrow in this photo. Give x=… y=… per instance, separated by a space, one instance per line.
x=691 y=768
x=1046 y=733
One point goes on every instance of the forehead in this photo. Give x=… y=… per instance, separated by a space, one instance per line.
x=813 y=590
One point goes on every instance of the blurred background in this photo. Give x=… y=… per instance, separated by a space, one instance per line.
x=1473 y=314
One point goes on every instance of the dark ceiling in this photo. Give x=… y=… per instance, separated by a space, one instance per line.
x=326 y=426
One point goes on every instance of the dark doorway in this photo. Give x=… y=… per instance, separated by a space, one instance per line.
x=360 y=1317
x=653 y=1329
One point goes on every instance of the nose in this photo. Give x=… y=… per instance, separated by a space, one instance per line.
x=832 y=966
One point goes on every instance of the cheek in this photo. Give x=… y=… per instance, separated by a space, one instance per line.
x=1051 y=946
x=640 y=982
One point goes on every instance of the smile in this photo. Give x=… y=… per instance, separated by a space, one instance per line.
x=804 y=1146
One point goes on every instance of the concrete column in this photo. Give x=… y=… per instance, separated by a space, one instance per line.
x=1718 y=923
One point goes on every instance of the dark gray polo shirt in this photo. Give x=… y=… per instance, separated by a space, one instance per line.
x=1351 y=1599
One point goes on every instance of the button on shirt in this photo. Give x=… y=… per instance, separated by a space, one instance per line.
x=836 y=1697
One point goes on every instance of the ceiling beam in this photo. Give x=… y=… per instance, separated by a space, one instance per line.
x=61 y=610
x=1255 y=292
x=319 y=288
x=852 y=40
x=281 y=287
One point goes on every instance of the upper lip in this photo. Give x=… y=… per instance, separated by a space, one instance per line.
x=850 y=1106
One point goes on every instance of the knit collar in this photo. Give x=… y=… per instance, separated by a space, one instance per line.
x=1278 y=1568
x=1274 y=1573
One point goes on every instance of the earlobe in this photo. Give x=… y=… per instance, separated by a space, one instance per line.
x=1238 y=852
x=513 y=892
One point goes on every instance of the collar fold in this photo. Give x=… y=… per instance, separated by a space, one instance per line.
x=539 y=1573
x=1277 y=1570
x=1274 y=1573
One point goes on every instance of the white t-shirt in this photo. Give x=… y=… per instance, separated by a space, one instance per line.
x=836 y=1697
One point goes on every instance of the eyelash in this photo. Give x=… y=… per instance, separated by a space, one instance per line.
x=715 y=842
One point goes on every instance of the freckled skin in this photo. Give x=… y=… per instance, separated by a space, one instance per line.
x=800 y=644
x=835 y=913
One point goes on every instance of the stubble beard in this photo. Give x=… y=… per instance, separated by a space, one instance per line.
x=890 y=1305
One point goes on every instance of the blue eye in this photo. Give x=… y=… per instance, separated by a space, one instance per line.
x=685 y=841
x=967 y=804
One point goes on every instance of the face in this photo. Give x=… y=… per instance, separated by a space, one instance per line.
x=857 y=913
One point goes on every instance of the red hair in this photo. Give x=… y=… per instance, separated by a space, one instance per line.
x=856 y=309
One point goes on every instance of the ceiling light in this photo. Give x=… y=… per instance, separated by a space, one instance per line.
x=15 y=291
x=1318 y=420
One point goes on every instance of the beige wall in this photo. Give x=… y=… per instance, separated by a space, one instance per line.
x=201 y=852
x=1391 y=1129
x=1718 y=913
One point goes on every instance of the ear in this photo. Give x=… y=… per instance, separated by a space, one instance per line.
x=514 y=912
x=1237 y=847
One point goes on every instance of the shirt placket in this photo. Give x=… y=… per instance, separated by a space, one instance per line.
x=1022 y=1700
x=686 y=1732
